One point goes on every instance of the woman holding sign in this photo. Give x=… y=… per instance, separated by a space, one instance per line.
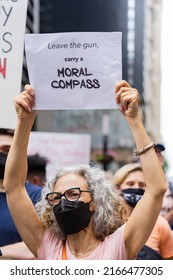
x=80 y=215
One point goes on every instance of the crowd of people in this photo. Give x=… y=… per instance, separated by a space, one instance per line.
x=80 y=213
x=130 y=182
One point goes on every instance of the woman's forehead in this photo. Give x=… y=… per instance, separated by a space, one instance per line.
x=137 y=174
x=70 y=181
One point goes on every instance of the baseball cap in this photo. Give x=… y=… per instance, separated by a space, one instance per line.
x=160 y=146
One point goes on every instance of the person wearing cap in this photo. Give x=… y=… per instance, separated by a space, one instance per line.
x=6 y=136
x=129 y=181
x=11 y=245
x=159 y=148
x=167 y=206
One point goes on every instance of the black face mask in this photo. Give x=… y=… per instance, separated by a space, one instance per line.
x=72 y=217
x=132 y=196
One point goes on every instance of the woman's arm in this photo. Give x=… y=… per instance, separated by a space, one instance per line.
x=21 y=208
x=16 y=251
x=144 y=216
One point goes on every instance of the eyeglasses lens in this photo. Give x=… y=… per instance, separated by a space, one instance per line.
x=54 y=198
x=70 y=195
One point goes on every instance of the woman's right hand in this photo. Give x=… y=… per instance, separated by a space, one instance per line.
x=24 y=103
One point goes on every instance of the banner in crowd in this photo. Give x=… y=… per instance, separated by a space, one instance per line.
x=60 y=149
x=71 y=71
x=12 y=29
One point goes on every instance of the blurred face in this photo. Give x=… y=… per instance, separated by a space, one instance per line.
x=5 y=143
x=135 y=179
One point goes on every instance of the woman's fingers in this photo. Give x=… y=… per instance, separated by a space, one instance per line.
x=29 y=89
x=120 y=93
x=124 y=93
x=122 y=84
x=127 y=98
x=26 y=99
x=29 y=99
x=22 y=103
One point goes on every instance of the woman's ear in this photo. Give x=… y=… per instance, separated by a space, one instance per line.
x=92 y=206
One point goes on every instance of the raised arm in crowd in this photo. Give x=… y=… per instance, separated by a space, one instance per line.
x=80 y=214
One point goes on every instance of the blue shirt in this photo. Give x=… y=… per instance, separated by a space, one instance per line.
x=8 y=231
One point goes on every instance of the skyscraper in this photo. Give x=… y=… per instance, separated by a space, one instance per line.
x=97 y=15
x=32 y=26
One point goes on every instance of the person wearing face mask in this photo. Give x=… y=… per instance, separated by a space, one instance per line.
x=130 y=181
x=11 y=245
x=80 y=216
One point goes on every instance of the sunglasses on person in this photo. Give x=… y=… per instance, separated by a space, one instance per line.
x=72 y=194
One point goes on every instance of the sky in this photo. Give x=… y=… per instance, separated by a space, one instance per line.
x=167 y=80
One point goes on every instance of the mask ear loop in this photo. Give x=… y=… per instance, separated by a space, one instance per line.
x=92 y=196
x=91 y=201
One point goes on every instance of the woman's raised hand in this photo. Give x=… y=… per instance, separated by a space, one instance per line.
x=127 y=98
x=24 y=103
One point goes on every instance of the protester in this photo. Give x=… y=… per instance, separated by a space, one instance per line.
x=130 y=181
x=36 y=170
x=8 y=232
x=167 y=206
x=81 y=214
x=6 y=135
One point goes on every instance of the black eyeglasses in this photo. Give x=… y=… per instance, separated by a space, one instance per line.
x=72 y=194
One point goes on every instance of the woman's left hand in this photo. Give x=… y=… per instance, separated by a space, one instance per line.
x=127 y=98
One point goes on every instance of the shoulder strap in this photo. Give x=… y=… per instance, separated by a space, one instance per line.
x=64 y=255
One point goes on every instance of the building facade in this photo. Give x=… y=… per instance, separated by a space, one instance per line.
x=32 y=26
x=152 y=67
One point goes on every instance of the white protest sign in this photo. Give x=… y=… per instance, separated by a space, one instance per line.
x=61 y=149
x=70 y=71
x=12 y=29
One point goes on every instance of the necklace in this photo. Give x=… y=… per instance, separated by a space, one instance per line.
x=92 y=247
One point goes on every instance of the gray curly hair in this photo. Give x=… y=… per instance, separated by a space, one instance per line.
x=109 y=212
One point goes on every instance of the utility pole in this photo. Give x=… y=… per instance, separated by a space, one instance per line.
x=105 y=139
